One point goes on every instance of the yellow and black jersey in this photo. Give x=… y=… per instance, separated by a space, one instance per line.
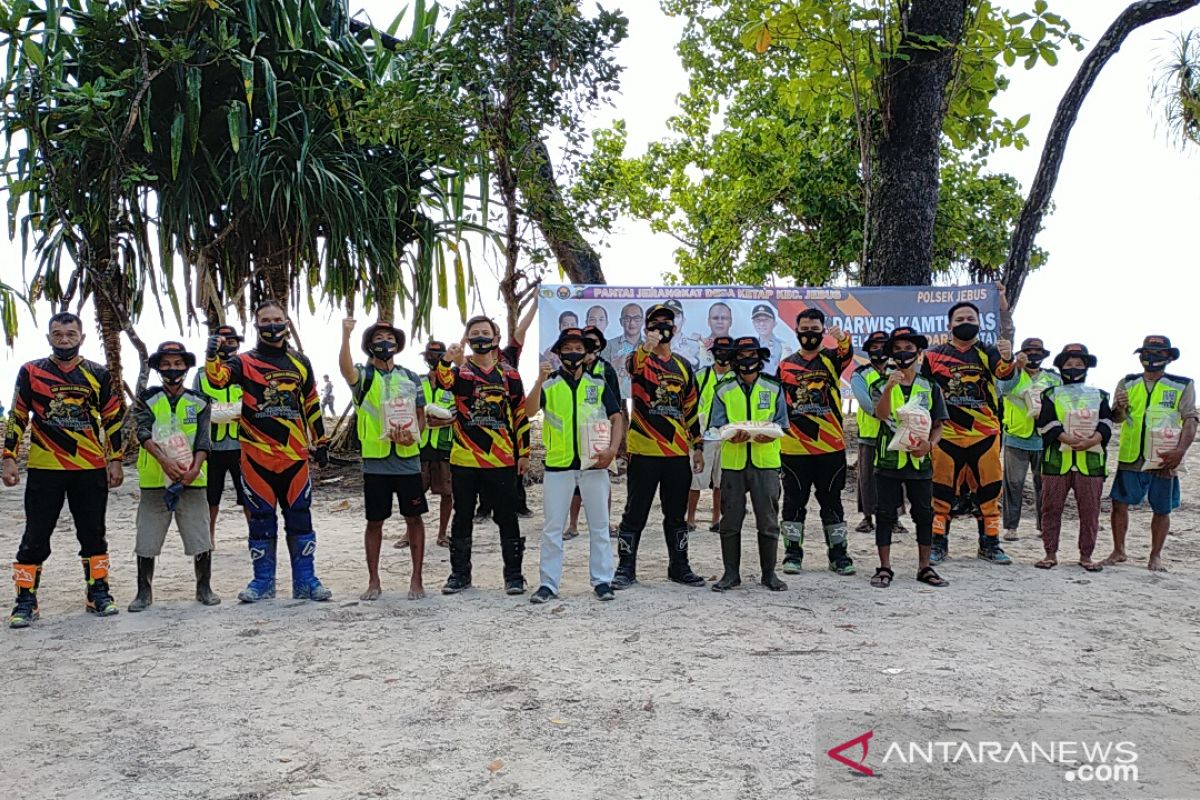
x=666 y=405
x=490 y=426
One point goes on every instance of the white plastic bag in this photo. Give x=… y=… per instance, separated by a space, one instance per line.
x=398 y=406
x=595 y=437
x=225 y=413
x=915 y=424
x=171 y=439
x=1031 y=398
x=438 y=412
x=1164 y=430
x=770 y=429
x=1083 y=412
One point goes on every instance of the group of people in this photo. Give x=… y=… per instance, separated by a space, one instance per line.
x=755 y=435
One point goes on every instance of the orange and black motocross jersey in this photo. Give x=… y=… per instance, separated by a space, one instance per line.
x=813 y=390
x=68 y=409
x=281 y=414
x=490 y=426
x=666 y=405
x=967 y=379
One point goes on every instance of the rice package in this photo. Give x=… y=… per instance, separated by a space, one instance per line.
x=769 y=429
x=915 y=423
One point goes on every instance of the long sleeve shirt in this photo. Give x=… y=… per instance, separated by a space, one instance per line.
x=666 y=405
x=813 y=390
x=281 y=413
x=74 y=416
x=491 y=429
x=967 y=379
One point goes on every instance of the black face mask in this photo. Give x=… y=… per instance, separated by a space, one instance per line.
x=1149 y=363
x=965 y=331
x=665 y=330
x=810 y=340
x=432 y=359
x=66 y=353
x=383 y=350
x=1074 y=374
x=481 y=345
x=1035 y=363
x=572 y=360
x=748 y=365
x=904 y=360
x=227 y=353
x=273 y=332
x=172 y=376
x=722 y=358
x=878 y=359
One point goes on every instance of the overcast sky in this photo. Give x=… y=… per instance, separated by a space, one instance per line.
x=1122 y=240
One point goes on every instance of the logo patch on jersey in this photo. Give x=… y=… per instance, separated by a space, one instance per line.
x=668 y=398
x=811 y=394
x=69 y=407
x=490 y=407
x=281 y=395
x=967 y=386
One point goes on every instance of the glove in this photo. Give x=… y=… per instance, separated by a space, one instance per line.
x=321 y=456
x=214 y=342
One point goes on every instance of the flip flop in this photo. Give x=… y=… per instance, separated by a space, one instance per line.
x=1092 y=566
x=1046 y=563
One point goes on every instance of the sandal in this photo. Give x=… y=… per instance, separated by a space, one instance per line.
x=1092 y=566
x=882 y=578
x=1046 y=563
x=928 y=576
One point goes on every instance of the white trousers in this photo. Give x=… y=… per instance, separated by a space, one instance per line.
x=557 y=490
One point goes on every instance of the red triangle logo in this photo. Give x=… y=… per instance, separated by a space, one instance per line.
x=861 y=764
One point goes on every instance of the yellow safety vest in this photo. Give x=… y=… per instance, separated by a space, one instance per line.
x=186 y=412
x=1163 y=401
x=371 y=437
x=441 y=437
x=707 y=380
x=898 y=459
x=757 y=406
x=565 y=408
x=868 y=426
x=1056 y=461
x=1018 y=421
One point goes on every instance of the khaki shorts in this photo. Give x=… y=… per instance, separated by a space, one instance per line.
x=435 y=476
x=710 y=476
x=153 y=521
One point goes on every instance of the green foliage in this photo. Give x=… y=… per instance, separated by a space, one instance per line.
x=769 y=168
x=1177 y=88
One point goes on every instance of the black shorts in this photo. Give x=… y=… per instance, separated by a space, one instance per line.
x=221 y=462
x=378 y=490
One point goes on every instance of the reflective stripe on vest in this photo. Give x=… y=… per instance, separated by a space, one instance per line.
x=1163 y=401
x=371 y=440
x=1018 y=422
x=186 y=411
x=565 y=408
x=441 y=436
x=1056 y=460
x=763 y=398
x=868 y=426
x=230 y=394
x=898 y=459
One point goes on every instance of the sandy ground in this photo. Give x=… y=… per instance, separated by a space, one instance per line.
x=669 y=692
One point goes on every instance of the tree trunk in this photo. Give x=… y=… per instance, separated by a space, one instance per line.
x=109 y=323
x=1133 y=17
x=507 y=181
x=546 y=208
x=907 y=158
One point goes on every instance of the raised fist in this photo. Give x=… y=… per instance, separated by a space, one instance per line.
x=837 y=333
x=347 y=326
x=1005 y=348
x=545 y=370
x=454 y=353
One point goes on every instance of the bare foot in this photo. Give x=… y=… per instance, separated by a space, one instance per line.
x=1090 y=566
x=401 y=543
x=416 y=590
x=443 y=540
x=372 y=593
x=1156 y=565
x=1116 y=557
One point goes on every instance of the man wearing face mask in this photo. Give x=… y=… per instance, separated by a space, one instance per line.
x=490 y=451
x=390 y=414
x=598 y=367
x=572 y=398
x=225 y=457
x=280 y=426
x=172 y=481
x=814 y=451
x=1022 y=393
x=1153 y=400
x=74 y=409
x=665 y=449
x=708 y=380
x=437 y=437
x=862 y=382
x=749 y=464
x=1075 y=421
x=968 y=455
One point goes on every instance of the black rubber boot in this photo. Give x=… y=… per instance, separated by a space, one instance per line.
x=145 y=592
x=513 y=553
x=204 y=592
x=679 y=569
x=731 y=556
x=627 y=547
x=768 y=555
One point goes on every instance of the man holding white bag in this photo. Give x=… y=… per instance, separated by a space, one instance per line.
x=754 y=406
x=911 y=410
x=581 y=429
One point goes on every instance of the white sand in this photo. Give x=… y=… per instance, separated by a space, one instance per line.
x=668 y=692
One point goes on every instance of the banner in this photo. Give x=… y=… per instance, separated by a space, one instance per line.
x=703 y=312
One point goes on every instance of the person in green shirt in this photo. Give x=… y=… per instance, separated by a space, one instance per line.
x=900 y=472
